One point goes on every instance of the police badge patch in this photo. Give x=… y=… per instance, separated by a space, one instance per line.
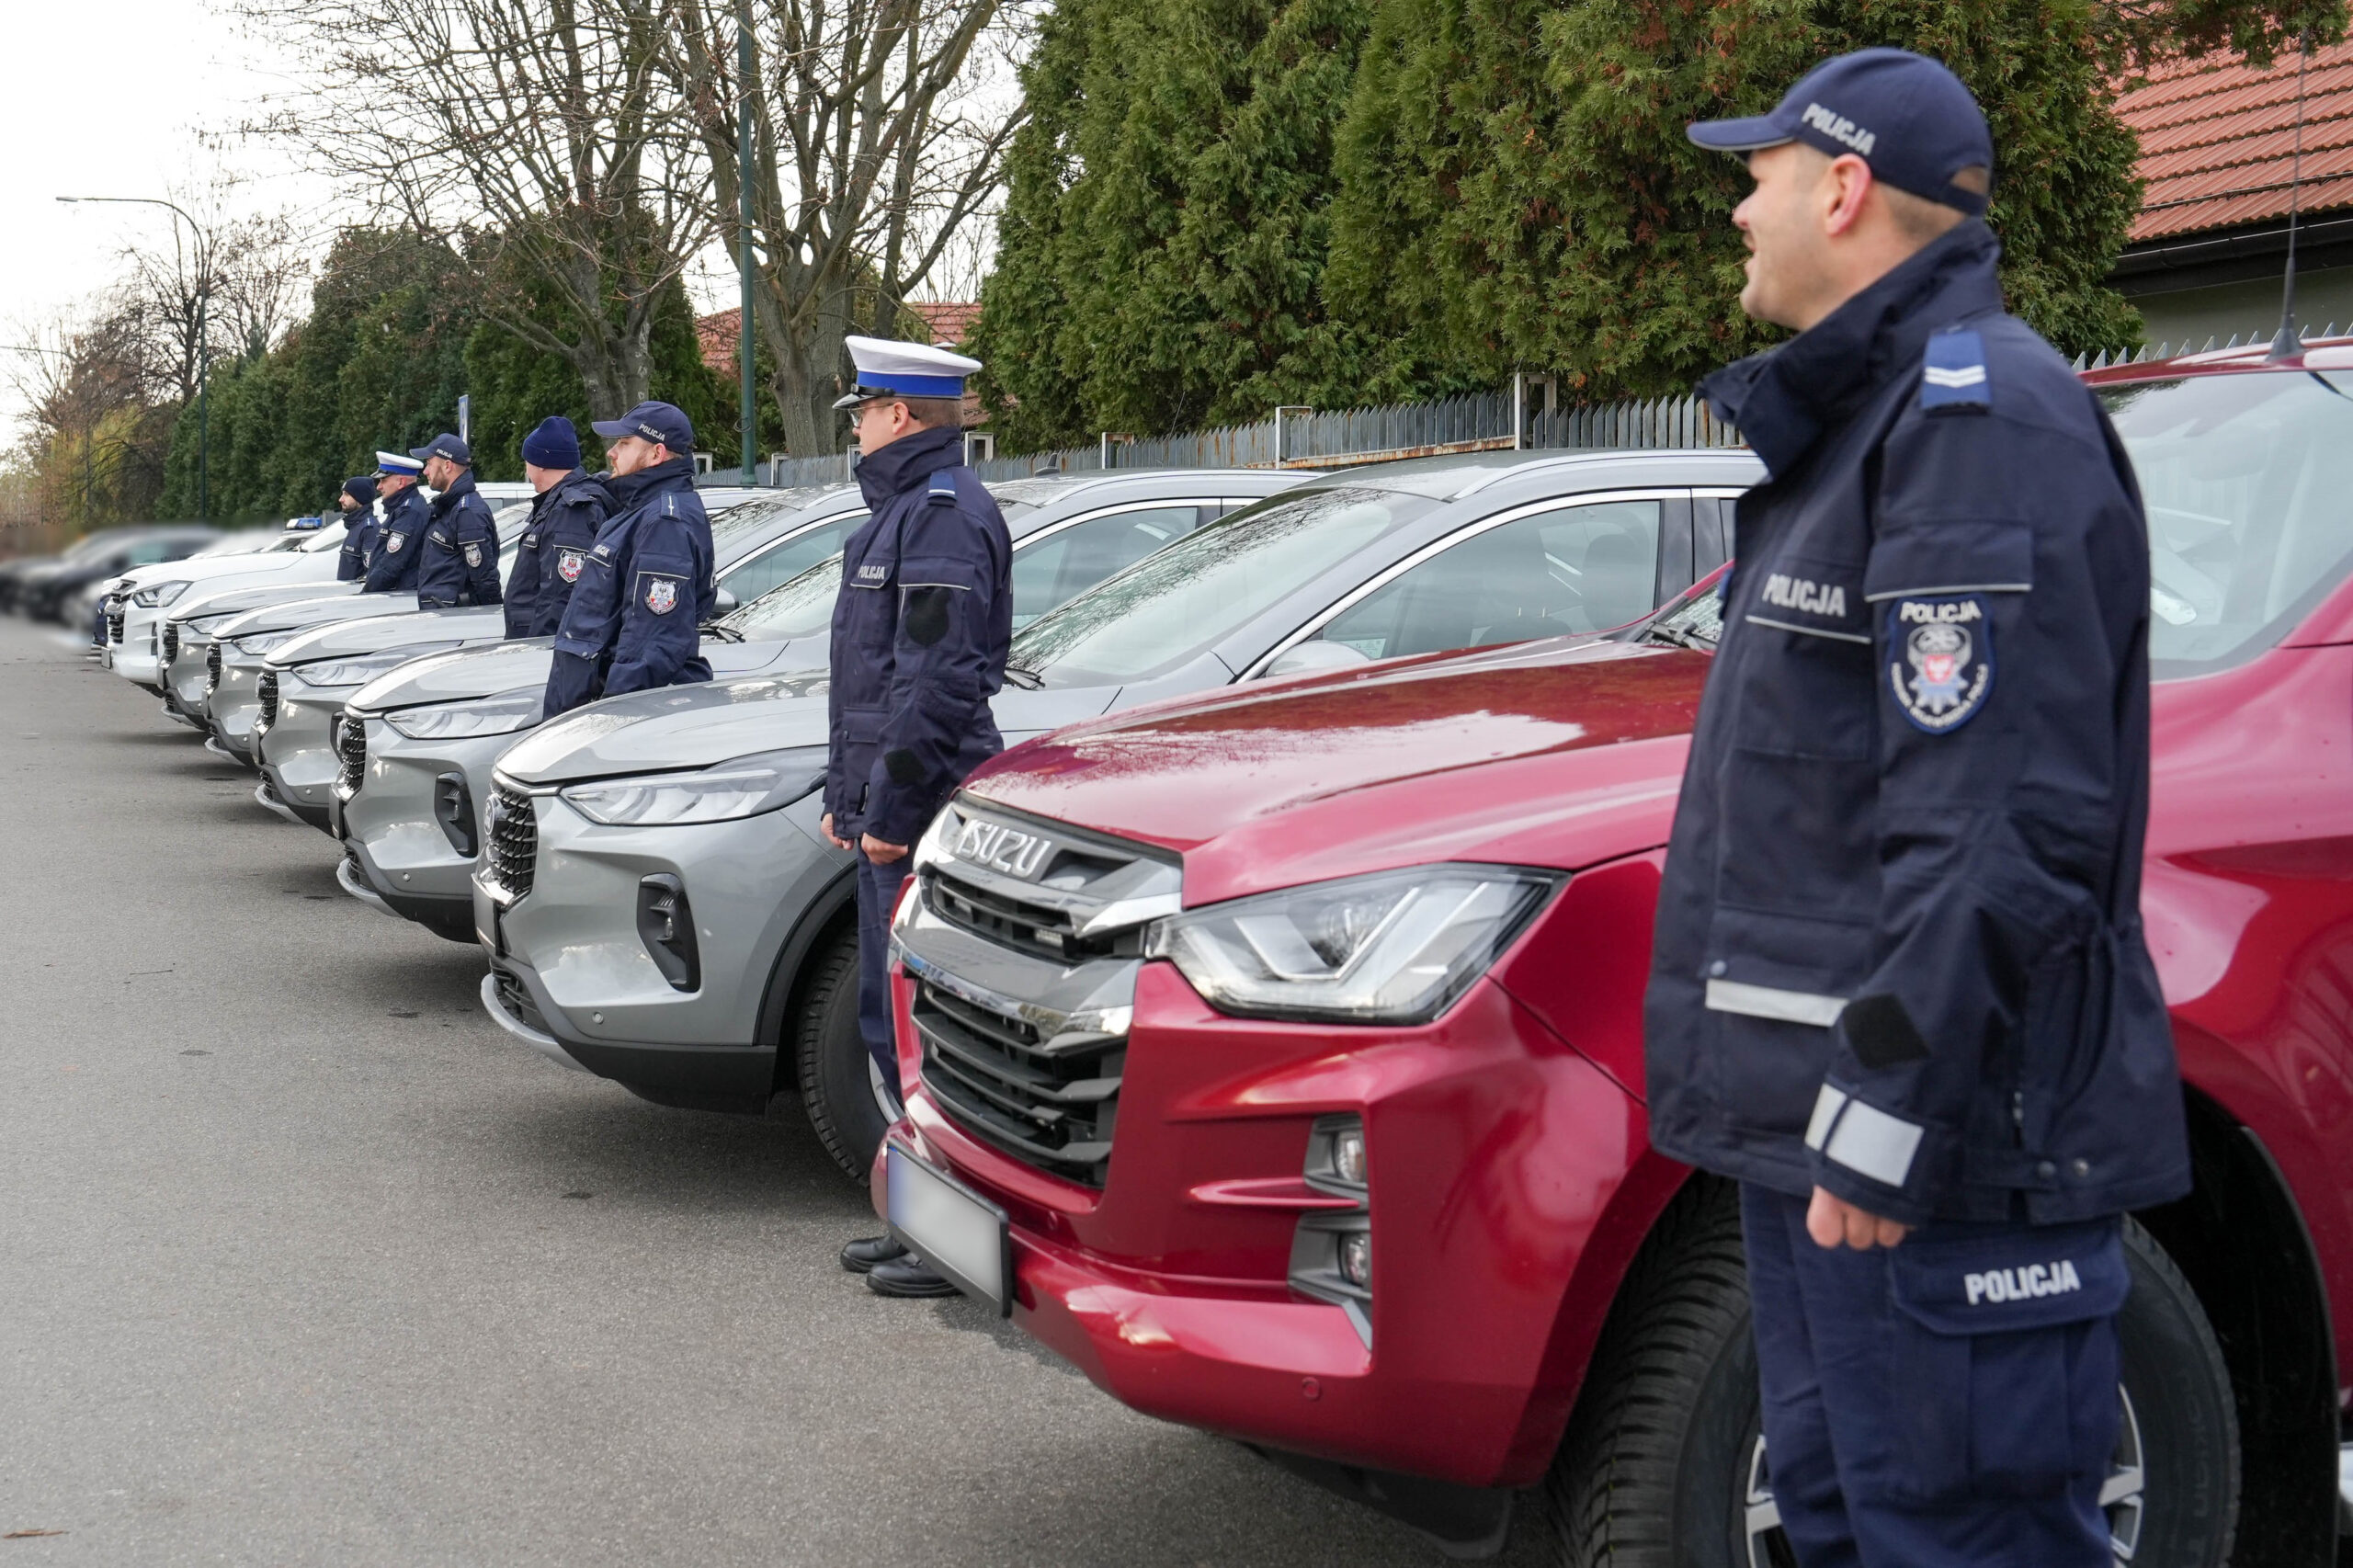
x=662 y=595
x=474 y=554
x=392 y=543
x=568 y=563
x=1941 y=664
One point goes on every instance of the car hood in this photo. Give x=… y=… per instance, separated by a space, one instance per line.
x=474 y=672
x=237 y=596
x=695 y=726
x=204 y=571
x=366 y=631
x=1579 y=753
x=315 y=609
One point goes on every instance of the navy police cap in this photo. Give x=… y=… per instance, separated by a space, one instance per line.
x=658 y=422
x=445 y=445
x=1904 y=114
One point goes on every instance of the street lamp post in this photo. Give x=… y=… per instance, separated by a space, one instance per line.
x=749 y=413
x=203 y=347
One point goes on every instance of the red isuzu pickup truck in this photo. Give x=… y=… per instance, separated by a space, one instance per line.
x=1275 y=1055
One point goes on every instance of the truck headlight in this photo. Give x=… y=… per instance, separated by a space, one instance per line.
x=476 y=716
x=743 y=788
x=360 y=672
x=155 y=596
x=1393 y=948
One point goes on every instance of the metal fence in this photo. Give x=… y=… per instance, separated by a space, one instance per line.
x=1304 y=438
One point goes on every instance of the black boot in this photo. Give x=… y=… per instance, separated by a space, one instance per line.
x=864 y=1254
x=906 y=1277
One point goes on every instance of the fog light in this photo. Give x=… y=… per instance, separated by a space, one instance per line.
x=666 y=923
x=453 y=808
x=1356 y=1259
x=1347 y=1155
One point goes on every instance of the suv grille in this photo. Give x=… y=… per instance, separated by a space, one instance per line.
x=514 y=839
x=351 y=751
x=993 y=1073
x=266 y=690
x=1018 y=923
x=212 y=669
x=170 y=647
x=114 y=620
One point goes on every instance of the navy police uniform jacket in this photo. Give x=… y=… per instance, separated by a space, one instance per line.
x=563 y=529
x=921 y=630
x=359 y=545
x=459 y=561
x=645 y=589
x=400 y=544
x=1899 y=952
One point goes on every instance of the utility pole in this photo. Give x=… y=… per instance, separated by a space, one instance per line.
x=203 y=345
x=749 y=413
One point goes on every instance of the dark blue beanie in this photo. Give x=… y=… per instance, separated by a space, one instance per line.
x=362 y=490
x=555 y=444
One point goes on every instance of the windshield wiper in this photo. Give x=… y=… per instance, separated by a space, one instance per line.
x=723 y=631
x=1676 y=637
x=1023 y=676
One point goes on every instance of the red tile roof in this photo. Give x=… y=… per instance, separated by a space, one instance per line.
x=2218 y=140
x=949 y=320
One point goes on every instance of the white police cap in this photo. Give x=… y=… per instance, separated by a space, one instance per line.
x=886 y=369
x=398 y=465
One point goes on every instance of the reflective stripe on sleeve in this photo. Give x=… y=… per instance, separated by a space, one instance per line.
x=1869 y=1141
x=1826 y=1106
x=1769 y=1001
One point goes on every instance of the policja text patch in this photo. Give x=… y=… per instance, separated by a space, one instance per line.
x=1940 y=660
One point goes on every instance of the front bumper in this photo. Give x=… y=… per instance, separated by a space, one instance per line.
x=133 y=657
x=572 y=946
x=185 y=680
x=1495 y=1157
x=231 y=705
x=295 y=750
x=389 y=827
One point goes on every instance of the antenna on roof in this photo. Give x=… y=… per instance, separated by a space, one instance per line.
x=2289 y=343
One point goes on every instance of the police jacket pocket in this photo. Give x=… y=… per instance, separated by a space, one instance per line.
x=1950 y=555
x=2005 y=1366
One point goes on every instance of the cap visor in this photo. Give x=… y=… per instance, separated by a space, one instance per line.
x=420 y=453
x=1737 y=135
x=612 y=429
x=851 y=400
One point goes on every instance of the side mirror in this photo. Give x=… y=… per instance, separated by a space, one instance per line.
x=1313 y=654
x=724 y=603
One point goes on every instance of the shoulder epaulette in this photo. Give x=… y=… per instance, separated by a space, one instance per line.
x=1952 y=379
x=943 y=489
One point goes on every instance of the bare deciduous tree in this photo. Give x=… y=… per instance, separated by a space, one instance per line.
x=879 y=130
x=542 y=138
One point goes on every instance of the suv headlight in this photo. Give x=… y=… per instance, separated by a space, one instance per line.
x=743 y=788
x=155 y=596
x=476 y=716
x=256 y=646
x=360 y=672
x=1394 y=948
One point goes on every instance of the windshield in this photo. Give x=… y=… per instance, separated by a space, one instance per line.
x=329 y=536
x=796 y=608
x=746 y=516
x=2248 y=483
x=1172 y=607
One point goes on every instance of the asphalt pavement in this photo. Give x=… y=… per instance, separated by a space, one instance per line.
x=302 y=1261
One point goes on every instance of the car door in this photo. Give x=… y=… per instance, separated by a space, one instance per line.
x=1066 y=559
x=1551 y=567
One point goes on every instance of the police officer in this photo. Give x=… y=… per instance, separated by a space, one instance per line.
x=459 y=564
x=568 y=507
x=644 y=587
x=400 y=536
x=357 y=504
x=921 y=628
x=1900 y=991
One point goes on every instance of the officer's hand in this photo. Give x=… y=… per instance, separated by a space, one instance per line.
x=1830 y=1221
x=882 y=854
x=825 y=826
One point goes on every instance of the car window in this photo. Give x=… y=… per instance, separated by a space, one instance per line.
x=2247 y=481
x=1072 y=560
x=328 y=536
x=1584 y=568
x=788 y=558
x=148 y=551
x=1175 y=604
x=799 y=606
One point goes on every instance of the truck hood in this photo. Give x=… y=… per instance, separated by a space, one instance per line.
x=203 y=572
x=366 y=631
x=695 y=726
x=320 y=607
x=1578 y=751
x=237 y=596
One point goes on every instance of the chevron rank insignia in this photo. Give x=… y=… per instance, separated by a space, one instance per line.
x=1953 y=379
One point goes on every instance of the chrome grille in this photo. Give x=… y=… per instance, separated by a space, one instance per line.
x=212 y=669
x=1050 y=1107
x=351 y=752
x=114 y=620
x=170 y=647
x=514 y=839
x=265 y=689
x=1016 y=922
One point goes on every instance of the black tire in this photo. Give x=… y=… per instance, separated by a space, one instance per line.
x=836 y=1084
x=1662 y=1462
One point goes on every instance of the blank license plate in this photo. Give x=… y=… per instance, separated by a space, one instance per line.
x=963 y=1237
